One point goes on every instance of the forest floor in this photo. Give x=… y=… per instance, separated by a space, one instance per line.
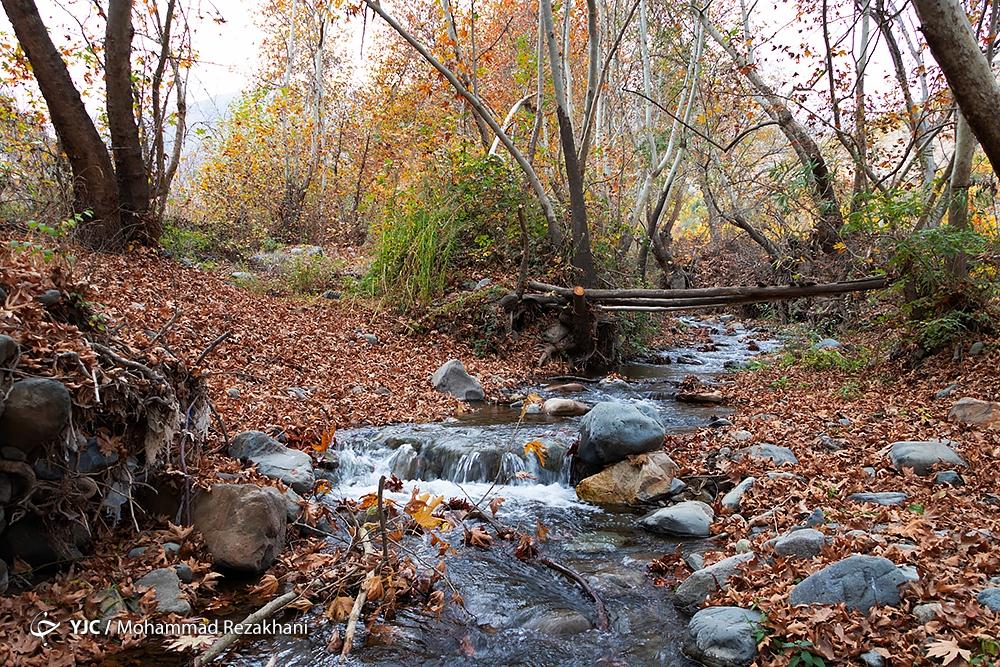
x=305 y=365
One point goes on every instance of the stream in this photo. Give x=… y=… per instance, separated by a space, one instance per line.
x=526 y=614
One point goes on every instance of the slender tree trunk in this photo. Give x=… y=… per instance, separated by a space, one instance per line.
x=94 y=185
x=954 y=46
x=133 y=181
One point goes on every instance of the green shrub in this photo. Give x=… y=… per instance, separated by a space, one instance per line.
x=311 y=273
x=185 y=242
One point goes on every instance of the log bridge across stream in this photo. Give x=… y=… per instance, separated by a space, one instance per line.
x=675 y=300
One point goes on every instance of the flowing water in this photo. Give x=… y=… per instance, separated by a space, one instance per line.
x=522 y=613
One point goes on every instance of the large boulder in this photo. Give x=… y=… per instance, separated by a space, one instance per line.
x=611 y=431
x=723 y=636
x=922 y=456
x=691 y=518
x=638 y=479
x=36 y=412
x=696 y=588
x=452 y=378
x=44 y=544
x=859 y=582
x=293 y=467
x=167 y=587
x=974 y=412
x=243 y=525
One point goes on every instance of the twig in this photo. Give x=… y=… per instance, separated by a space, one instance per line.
x=208 y=350
x=224 y=642
x=602 y=612
x=381 y=523
x=165 y=327
x=352 y=621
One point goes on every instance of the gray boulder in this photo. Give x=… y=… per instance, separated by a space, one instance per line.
x=859 y=582
x=990 y=598
x=8 y=351
x=452 y=378
x=804 y=543
x=691 y=518
x=880 y=497
x=291 y=466
x=169 y=599
x=696 y=588
x=723 y=636
x=611 y=431
x=731 y=501
x=766 y=451
x=243 y=525
x=922 y=456
x=36 y=412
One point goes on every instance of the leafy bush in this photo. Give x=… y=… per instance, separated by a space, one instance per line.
x=185 y=242
x=311 y=273
x=459 y=217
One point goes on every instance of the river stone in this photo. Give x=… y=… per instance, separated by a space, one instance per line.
x=723 y=636
x=169 y=599
x=880 y=498
x=243 y=525
x=638 y=479
x=565 y=407
x=775 y=453
x=949 y=477
x=989 y=598
x=804 y=543
x=8 y=351
x=452 y=378
x=827 y=344
x=702 y=583
x=922 y=456
x=731 y=501
x=860 y=582
x=274 y=460
x=925 y=613
x=691 y=518
x=974 y=412
x=36 y=412
x=558 y=623
x=611 y=431
x=871 y=659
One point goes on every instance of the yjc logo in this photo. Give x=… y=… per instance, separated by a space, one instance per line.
x=42 y=627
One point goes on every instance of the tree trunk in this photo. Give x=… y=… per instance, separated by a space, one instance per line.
x=954 y=46
x=94 y=186
x=132 y=179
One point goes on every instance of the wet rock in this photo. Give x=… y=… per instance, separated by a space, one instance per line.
x=36 y=412
x=766 y=451
x=171 y=548
x=558 y=623
x=731 y=500
x=827 y=344
x=452 y=378
x=922 y=456
x=804 y=543
x=949 y=477
x=690 y=360
x=723 y=636
x=719 y=422
x=702 y=397
x=169 y=599
x=567 y=388
x=925 y=613
x=974 y=412
x=691 y=518
x=859 y=582
x=611 y=431
x=880 y=498
x=184 y=572
x=8 y=351
x=243 y=526
x=565 y=407
x=274 y=460
x=989 y=598
x=695 y=561
x=637 y=479
x=696 y=588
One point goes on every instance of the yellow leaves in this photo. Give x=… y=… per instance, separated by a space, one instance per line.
x=421 y=508
x=329 y=437
x=839 y=246
x=340 y=608
x=537 y=447
x=322 y=487
x=533 y=399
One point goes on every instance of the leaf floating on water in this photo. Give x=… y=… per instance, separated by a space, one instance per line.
x=537 y=447
x=478 y=537
x=340 y=608
x=495 y=505
x=421 y=508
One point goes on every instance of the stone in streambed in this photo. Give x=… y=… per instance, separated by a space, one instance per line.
x=696 y=588
x=880 y=498
x=638 y=479
x=766 y=451
x=169 y=599
x=804 y=543
x=859 y=582
x=731 y=501
x=611 y=431
x=922 y=456
x=723 y=636
x=274 y=460
x=564 y=407
x=452 y=378
x=243 y=525
x=691 y=518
